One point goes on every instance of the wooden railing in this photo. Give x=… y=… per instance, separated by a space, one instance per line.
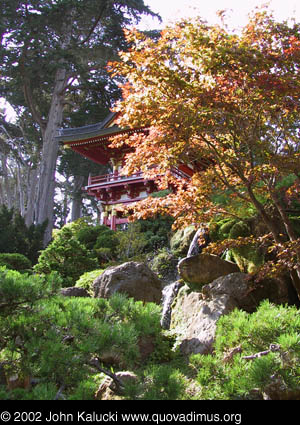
x=112 y=178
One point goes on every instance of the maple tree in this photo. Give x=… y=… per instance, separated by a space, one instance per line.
x=227 y=103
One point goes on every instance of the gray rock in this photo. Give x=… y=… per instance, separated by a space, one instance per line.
x=194 y=320
x=202 y=269
x=132 y=278
x=195 y=314
x=169 y=294
x=73 y=291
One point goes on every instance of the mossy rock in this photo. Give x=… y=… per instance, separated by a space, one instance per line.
x=181 y=240
x=239 y=229
x=248 y=258
x=164 y=264
x=228 y=228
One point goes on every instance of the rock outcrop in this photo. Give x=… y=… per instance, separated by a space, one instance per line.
x=195 y=314
x=181 y=240
x=74 y=291
x=131 y=278
x=194 y=320
x=204 y=268
x=169 y=294
x=108 y=389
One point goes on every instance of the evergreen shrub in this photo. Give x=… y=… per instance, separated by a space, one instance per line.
x=66 y=255
x=53 y=338
x=86 y=280
x=223 y=377
x=17 y=238
x=15 y=262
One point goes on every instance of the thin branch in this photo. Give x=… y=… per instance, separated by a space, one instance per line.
x=59 y=393
x=95 y=363
x=273 y=348
x=94 y=25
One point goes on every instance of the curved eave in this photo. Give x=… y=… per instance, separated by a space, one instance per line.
x=102 y=136
x=97 y=148
x=88 y=131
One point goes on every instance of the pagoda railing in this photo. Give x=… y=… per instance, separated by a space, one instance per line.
x=113 y=177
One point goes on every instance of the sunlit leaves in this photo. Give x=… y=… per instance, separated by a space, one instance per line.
x=227 y=104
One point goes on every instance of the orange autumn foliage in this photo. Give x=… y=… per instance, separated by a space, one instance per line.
x=228 y=100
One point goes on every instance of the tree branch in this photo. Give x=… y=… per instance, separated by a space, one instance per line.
x=95 y=363
x=28 y=93
x=94 y=25
x=59 y=393
x=273 y=348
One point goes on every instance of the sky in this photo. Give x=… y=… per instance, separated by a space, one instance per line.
x=237 y=10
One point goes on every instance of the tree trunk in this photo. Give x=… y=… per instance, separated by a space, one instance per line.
x=7 y=187
x=294 y=274
x=77 y=198
x=32 y=182
x=267 y=220
x=20 y=191
x=49 y=156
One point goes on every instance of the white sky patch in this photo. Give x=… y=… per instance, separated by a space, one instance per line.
x=237 y=10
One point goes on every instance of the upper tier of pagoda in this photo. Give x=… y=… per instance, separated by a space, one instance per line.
x=93 y=142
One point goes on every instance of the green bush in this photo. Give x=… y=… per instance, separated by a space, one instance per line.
x=15 y=261
x=105 y=246
x=164 y=264
x=156 y=231
x=238 y=378
x=16 y=237
x=53 y=338
x=17 y=289
x=67 y=256
x=131 y=242
x=86 y=280
x=106 y=239
x=163 y=382
x=88 y=234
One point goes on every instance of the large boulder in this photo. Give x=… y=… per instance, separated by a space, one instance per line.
x=132 y=278
x=194 y=320
x=194 y=315
x=204 y=268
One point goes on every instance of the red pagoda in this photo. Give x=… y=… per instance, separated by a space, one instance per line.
x=113 y=189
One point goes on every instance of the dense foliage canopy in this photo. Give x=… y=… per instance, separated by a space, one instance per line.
x=53 y=60
x=228 y=104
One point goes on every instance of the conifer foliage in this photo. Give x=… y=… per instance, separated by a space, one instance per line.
x=53 y=55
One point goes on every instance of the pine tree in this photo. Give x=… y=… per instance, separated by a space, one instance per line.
x=51 y=52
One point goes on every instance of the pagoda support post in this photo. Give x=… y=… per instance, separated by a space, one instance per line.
x=113 y=220
x=104 y=216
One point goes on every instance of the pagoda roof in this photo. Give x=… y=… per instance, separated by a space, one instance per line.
x=103 y=128
x=92 y=141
